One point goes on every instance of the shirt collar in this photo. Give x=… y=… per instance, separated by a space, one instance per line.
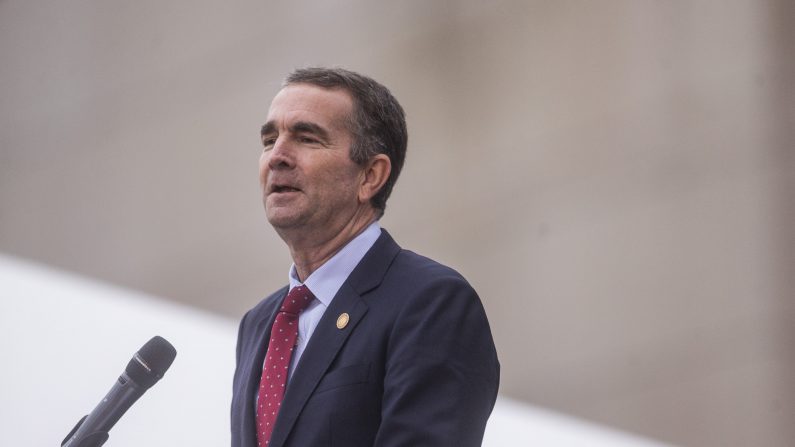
x=326 y=281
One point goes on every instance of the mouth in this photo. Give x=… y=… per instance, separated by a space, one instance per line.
x=278 y=189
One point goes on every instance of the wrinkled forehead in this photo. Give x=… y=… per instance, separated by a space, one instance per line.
x=305 y=102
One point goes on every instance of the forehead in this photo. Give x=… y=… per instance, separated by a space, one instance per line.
x=305 y=102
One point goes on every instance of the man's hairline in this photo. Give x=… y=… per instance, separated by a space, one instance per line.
x=349 y=122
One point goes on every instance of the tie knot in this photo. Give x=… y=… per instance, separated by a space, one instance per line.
x=297 y=300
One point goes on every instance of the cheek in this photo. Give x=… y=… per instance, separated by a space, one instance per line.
x=263 y=167
x=344 y=180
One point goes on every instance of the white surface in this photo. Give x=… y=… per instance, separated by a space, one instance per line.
x=65 y=339
x=514 y=423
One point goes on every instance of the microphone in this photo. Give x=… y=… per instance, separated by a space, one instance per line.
x=144 y=370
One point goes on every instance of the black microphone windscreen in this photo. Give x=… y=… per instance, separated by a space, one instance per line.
x=152 y=361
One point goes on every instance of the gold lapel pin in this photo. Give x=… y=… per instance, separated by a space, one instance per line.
x=342 y=320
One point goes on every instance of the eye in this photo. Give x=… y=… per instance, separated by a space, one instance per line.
x=307 y=139
x=268 y=142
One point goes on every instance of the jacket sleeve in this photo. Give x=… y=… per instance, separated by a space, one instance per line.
x=442 y=372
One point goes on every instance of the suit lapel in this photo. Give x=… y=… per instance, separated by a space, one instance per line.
x=320 y=352
x=327 y=339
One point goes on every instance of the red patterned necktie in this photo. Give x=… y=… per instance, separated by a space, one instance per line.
x=277 y=361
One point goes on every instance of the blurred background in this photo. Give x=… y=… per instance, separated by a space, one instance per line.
x=615 y=178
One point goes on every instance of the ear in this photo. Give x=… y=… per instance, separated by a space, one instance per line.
x=376 y=172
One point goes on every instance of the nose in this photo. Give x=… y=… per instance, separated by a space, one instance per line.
x=281 y=155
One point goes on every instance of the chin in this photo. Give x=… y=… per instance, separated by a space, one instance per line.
x=281 y=218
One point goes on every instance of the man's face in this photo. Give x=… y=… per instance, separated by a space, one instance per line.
x=309 y=183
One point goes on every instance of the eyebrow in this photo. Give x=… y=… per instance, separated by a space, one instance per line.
x=298 y=127
x=267 y=128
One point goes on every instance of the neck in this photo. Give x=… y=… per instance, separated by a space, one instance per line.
x=311 y=249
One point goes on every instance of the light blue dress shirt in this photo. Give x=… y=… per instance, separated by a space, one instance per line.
x=325 y=282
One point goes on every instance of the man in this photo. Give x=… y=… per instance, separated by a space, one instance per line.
x=370 y=344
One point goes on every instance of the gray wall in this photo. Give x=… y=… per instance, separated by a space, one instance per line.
x=615 y=178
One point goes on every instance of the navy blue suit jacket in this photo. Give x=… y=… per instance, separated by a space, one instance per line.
x=415 y=365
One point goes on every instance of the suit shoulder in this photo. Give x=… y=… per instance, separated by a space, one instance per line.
x=422 y=271
x=421 y=267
